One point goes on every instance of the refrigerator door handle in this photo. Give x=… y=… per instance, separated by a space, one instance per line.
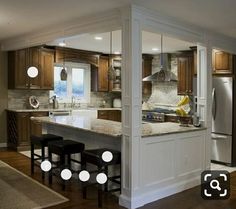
x=218 y=137
x=214 y=103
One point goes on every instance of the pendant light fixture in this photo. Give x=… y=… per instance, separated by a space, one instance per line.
x=63 y=74
x=161 y=55
x=111 y=70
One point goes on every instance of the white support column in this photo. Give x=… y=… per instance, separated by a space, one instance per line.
x=208 y=105
x=131 y=105
x=204 y=94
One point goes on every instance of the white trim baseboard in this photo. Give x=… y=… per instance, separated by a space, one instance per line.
x=152 y=196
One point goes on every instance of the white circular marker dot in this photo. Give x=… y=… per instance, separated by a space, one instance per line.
x=101 y=178
x=32 y=72
x=66 y=174
x=46 y=166
x=84 y=176
x=107 y=156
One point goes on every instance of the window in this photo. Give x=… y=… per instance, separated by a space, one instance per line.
x=76 y=85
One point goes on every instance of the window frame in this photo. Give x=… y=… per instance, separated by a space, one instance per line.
x=87 y=82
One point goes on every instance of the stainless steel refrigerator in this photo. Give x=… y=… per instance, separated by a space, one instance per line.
x=222 y=119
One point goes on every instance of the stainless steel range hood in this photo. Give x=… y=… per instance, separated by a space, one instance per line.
x=164 y=74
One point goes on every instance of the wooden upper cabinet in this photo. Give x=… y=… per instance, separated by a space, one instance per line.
x=222 y=62
x=20 y=60
x=99 y=75
x=185 y=73
x=76 y=55
x=17 y=64
x=146 y=71
x=34 y=60
x=47 y=68
x=103 y=84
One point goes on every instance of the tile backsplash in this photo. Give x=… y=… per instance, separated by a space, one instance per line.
x=18 y=99
x=164 y=94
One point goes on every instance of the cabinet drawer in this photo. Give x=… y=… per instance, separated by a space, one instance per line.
x=103 y=114
x=171 y=118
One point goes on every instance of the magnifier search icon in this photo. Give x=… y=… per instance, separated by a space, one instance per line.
x=214 y=184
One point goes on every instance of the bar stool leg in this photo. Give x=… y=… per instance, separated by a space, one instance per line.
x=32 y=158
x=43 y=158
x=100 y=189
x=83 y=184
x=106 y=184
x=50 y=160
x=69 y=161
x=99 y=196
x=62 y=166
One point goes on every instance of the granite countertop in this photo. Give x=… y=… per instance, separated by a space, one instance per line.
x=62 y=109
x=113 y=128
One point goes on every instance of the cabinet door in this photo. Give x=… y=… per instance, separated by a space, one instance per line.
x=114 y=115
x=34 y=60
x=185 y=75
x=103 y=74
x=23 y=128
x=146 y=71
x=35 y=126
x=47 y=69
x=221 y=62
x=103 y=114
x=21 y=65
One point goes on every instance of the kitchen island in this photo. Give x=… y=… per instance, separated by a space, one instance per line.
x=112 y=128
x=171 y=157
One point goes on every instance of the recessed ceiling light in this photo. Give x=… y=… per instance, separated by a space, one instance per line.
x=116 y=52
x=98 y=38
x=62 y=44
x=155 y=49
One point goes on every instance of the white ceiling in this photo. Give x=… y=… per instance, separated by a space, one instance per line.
x=149 y=41
x=26 y=16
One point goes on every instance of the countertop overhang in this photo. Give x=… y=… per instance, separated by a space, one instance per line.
x=113 y=128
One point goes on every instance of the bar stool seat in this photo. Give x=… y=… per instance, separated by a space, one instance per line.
x=41 y=141
x=95 y=157
x=64 y=149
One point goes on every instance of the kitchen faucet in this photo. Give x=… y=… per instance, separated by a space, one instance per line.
x=72 y=101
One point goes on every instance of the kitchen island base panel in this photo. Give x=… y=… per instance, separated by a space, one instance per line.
x=168 y=164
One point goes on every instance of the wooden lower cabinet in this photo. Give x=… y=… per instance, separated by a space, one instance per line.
x=114 y=115
x=35 y=126
x=20 y=127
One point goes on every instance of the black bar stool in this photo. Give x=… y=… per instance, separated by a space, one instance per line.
x=64 y=149
x=95 y=157
x=41 y=141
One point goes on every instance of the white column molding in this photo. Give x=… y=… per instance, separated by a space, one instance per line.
x=131 y=105
x=208 y=105
x=204 y=93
